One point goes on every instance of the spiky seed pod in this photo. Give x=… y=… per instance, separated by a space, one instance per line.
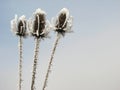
x=38 y=26
x=63 y=22
x=19 y=27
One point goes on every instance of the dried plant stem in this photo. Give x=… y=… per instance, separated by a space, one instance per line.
x=35 y=63
x=50 y=61
x=20 y=63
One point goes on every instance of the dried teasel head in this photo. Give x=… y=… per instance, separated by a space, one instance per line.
x=63 y=22
x=38 y=26
x=18 y=26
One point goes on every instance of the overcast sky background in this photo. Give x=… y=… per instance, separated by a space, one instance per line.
x=88 y=59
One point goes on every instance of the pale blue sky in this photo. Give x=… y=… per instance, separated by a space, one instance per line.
x=87 y=59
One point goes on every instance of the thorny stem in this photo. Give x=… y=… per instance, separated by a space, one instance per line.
x=20 y=63
x=50 y=61
x=35 y=63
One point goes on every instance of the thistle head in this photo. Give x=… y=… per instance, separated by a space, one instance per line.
x=18 y=26
x=63 y=22
x=38 y=26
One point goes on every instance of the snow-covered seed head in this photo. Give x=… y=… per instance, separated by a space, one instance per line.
x=18 y=26
x=38 y=26
x=63 y=22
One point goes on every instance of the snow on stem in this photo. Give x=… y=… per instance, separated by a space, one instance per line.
x=50 y=61
x=20 y=63
x=36 y=53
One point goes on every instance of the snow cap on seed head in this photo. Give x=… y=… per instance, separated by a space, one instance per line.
x=39 y=11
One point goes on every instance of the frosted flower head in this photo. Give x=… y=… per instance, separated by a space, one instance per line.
x=18 y=26
x=63 y=22
x=38 y=26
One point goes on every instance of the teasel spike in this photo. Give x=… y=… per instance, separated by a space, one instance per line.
x=38 y=28
x=18 y=27
x=62 y=24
